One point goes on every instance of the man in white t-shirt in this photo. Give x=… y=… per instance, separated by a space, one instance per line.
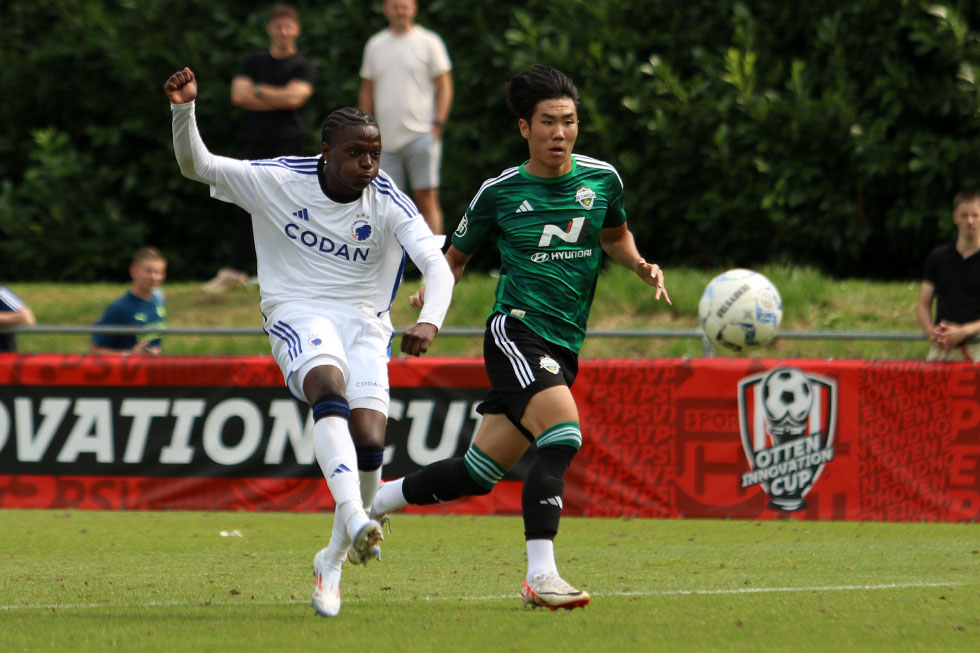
x=331 y=235
x=406 y=84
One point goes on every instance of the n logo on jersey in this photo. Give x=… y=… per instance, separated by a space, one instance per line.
x=569 y=235
x=585 y=196
x=302 y=214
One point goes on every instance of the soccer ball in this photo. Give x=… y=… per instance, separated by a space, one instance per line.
x=740 y=310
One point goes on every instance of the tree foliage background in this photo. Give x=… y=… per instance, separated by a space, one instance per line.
x=826 y=133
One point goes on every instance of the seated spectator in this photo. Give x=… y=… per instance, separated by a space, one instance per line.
x=141 y=306
x=13 y=312
x=952 y=278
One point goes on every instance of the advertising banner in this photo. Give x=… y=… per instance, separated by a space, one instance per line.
x=726 y=438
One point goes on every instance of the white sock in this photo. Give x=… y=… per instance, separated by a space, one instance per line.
x=389 y=497
x=336 y=550
x=540 y=557
x=369 y=485
x=338 y=462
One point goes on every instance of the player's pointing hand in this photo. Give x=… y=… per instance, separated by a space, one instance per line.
x=181 y=88
x=652 y=275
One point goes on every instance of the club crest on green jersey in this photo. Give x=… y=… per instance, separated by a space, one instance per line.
x=550 y=364
x=585 y=196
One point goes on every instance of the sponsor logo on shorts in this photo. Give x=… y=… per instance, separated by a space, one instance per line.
x=585 y=196
x=370 y=384
x=315 y=340
x=550 y=364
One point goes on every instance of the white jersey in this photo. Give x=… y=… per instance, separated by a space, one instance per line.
x=311 y=248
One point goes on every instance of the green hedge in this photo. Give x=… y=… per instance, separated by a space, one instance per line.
x=827 y=133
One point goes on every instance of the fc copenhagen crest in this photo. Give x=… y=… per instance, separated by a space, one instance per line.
x=787 y=420
x=360 y=229
x=585 y=196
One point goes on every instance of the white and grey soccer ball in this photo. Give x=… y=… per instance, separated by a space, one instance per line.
x=740 y=310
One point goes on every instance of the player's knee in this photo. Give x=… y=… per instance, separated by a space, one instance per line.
x=563 y=434
x=331 y=405
x=369 y=458
x=557 y=446
x=466 y=484
x=482 y=471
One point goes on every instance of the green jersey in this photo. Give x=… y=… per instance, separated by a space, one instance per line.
x=549 y=244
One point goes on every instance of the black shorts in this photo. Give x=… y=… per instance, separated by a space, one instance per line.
x=520 y=364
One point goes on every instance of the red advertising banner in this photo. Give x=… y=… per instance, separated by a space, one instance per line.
x=729 y=438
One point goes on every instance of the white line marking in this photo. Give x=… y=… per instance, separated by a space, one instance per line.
x=709 y=592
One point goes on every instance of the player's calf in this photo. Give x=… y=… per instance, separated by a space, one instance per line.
x=474 y=474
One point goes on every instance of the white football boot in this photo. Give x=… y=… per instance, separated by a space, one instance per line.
x=550 y=591
x=367 y=544
x=326 y=590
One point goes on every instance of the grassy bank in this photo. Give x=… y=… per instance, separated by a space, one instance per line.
x=811 y=302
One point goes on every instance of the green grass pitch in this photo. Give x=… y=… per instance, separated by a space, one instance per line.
x=170 y=581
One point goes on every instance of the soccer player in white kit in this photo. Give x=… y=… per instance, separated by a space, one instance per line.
x=331 y=233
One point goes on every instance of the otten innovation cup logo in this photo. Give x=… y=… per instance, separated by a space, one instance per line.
x=787 y=420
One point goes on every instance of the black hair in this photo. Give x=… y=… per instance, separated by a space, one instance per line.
x=342 y=118
x=537 y=83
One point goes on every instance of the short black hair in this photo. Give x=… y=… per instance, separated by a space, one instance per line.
x=342 y=118
x=537 y=83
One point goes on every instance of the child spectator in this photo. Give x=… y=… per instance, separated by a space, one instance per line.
x=142 y=305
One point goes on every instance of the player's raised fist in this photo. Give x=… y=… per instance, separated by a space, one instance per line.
x=181 y=87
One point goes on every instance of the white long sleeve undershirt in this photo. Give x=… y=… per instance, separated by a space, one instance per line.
x=195 y=160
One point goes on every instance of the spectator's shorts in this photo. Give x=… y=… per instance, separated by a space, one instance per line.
x=420 y=160
x=969 y=352
x=303 y=337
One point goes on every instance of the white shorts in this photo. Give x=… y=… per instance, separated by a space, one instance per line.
x=302 y=338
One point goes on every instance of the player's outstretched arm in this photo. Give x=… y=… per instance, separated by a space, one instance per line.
x=193 y=157
x=425 y=253
x=457 y=261
x=181 y=87
x=618 y=243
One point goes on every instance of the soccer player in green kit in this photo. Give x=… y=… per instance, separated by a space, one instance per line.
x=556 y=213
